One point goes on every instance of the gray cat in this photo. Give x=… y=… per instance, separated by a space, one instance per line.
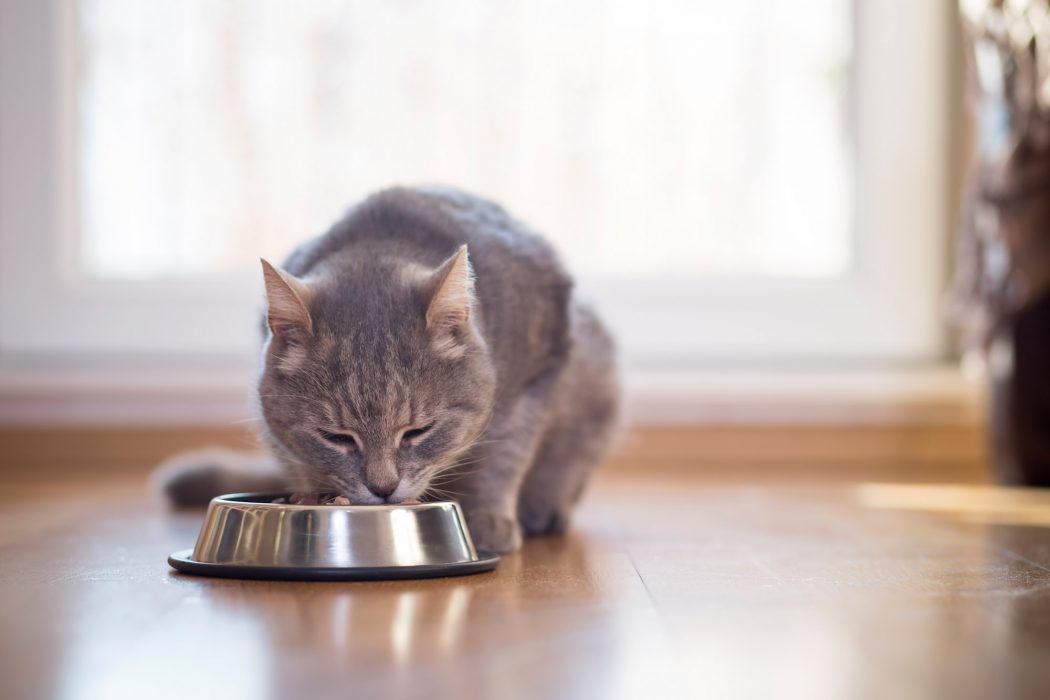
x=429 y=345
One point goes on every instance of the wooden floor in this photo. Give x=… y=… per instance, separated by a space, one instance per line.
x=670 y=585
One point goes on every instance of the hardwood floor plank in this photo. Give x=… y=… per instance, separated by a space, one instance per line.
x=668 y=585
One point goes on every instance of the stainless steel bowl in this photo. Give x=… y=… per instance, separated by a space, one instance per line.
x=248 y=536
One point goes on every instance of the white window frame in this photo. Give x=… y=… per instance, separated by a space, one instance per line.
x=886 y=309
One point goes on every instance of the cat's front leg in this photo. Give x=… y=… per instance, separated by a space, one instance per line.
x=496 y=467
x=493 y=530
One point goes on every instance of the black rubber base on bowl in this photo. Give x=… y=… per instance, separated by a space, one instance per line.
x=181 y=561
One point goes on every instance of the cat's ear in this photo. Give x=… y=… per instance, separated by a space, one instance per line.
x=287 y=313
x=452 y=300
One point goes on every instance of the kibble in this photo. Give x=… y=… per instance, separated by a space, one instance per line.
x=327 y=499
x=305 y=499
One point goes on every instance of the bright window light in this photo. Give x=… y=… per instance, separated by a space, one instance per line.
x=658 y=138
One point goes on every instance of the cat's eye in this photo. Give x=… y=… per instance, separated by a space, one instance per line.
x=343 y=440
x=413 y=434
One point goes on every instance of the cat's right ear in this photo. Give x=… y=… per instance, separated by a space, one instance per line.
x=287 y=298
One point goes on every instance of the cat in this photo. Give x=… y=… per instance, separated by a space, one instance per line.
x=428 y=345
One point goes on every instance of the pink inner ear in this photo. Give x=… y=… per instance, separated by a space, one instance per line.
x=287 y=313
x=452 y=300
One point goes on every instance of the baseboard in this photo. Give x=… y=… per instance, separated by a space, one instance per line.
x=925 y=452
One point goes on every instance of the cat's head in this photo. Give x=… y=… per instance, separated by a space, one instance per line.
x=375 y=377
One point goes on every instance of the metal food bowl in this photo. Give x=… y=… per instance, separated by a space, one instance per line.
x=246 y=535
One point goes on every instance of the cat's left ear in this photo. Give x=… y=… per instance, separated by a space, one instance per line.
x=452 y=301
x=287 y=297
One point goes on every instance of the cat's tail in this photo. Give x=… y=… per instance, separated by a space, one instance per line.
x=191 y=479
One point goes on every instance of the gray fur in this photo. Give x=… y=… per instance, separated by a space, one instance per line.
x=521 y=391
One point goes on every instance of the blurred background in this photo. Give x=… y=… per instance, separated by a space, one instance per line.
x=820 y=230
x=760 y=197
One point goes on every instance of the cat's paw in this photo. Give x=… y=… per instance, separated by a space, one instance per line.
x=543 y=518
x=494 y=532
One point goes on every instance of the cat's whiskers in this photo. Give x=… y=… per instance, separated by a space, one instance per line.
x=443 y=494
x=455 y=471
x=448 y=487
x=450 y=476
x=329 y=483
x=454 y=468
x=487 y=442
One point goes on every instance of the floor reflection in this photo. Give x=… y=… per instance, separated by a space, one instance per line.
x=462 y=635
x=1018 y=622
x=879 y=591
x=980 y=504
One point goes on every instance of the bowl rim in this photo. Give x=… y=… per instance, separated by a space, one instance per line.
x=184 y=562
x=242 y=499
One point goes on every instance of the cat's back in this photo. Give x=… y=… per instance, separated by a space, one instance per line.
x=523 y=289
x=426 y=225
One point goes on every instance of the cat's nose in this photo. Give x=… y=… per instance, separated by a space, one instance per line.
x=383 y=489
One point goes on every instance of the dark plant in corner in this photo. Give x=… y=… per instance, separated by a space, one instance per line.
x=1001 y=290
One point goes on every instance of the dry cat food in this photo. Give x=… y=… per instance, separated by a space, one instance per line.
x=325 y=499
x=314 y=499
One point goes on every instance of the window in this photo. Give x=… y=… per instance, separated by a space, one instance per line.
x=641 y=146
x=730 y=181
